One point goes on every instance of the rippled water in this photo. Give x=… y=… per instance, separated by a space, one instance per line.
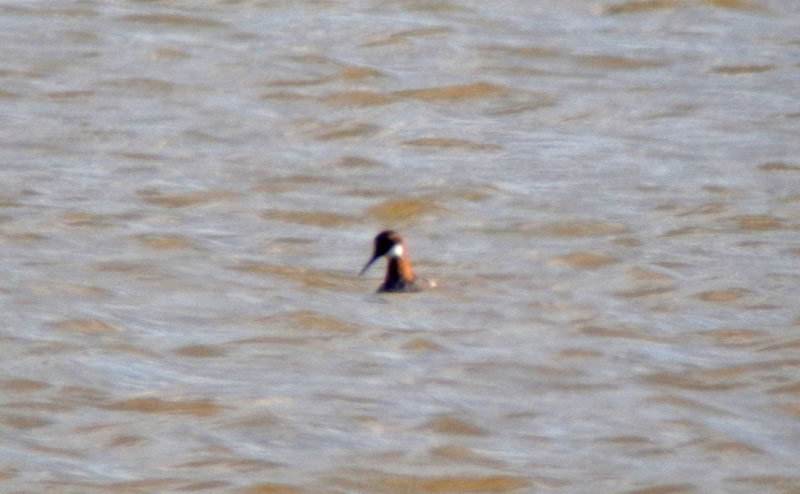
x=608 y=194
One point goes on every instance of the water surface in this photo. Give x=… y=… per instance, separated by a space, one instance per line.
x=606 y=193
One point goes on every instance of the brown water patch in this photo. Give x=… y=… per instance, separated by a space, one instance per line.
x=328 y=220
x=687 y=230
x=721 y=190
x=305 y=277
x=520 y=107
x=735 y=5
x=579 y=228
x=585 y=260
x=306 y=179
x=665 y=489
x=620 y=332
x=284 y=96
x=141 y=156
x=651 y=284
x=165 y=242
x=524 y=51
x=722 y=296
x=139 y=486
x=452 y=426
x=704 y=209
x=22 y=385
x=773 y=483
x=791 y=388
x=358 y=162
x=463 y=455
x=344 y=73
x=204 y=486
x=374 y=481
x=37 y=406
x=636 y=7
x=681 y=402
x=734 y=338
x=315 y=59
x=795 y=252
x=455 y=93
x=49 y=11
x=790 y=199
x=300 y=340
x=142 y=85
x=718 y=375
x=229 y=464
x=757 y=223
x=315 y=81
x=784 y=345
x=26 y=237
x=197 y=408
x=641 y=274
x=8 y=202
x=579 y=353
x=477 y=194
x=23 y=422
x=80 y=219
x=183 y=200
x=308 y=319
x=778 y=166
x=198 y=351
x=347 y=131
x=127 y=441
x=170 y=54
x=52 y=348
x=741 y=369
x=422 y=345
x=259 y=420
x=396 y=210
x=271 y=488
x=523 y=369
x=436 y=7
x=87 y=326
x=277 y=185
x=358 y=98
x=792 y=409
x=55 y=451
x=742 y=69
x=691 y=381
x=175 y=20
x=626 y=440
x=733 y=447
x=455 y=484
x=354 y=73
x=51 y=288
x=647 y=291
x=83 y=394
x=68 y=95
x=453 y=144
x=403 y=36
x=618 y=63
x=123 y=267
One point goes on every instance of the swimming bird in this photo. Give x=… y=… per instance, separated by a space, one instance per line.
x=399 y=277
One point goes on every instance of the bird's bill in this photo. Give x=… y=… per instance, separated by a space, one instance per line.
x=368 y=264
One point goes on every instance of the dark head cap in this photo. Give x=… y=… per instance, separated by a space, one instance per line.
x=385 y=242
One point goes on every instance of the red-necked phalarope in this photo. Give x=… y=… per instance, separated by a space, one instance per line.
x=399 y=277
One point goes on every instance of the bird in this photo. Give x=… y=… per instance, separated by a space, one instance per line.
x=399 y=276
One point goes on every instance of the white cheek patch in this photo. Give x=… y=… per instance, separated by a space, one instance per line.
x=396 y=251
